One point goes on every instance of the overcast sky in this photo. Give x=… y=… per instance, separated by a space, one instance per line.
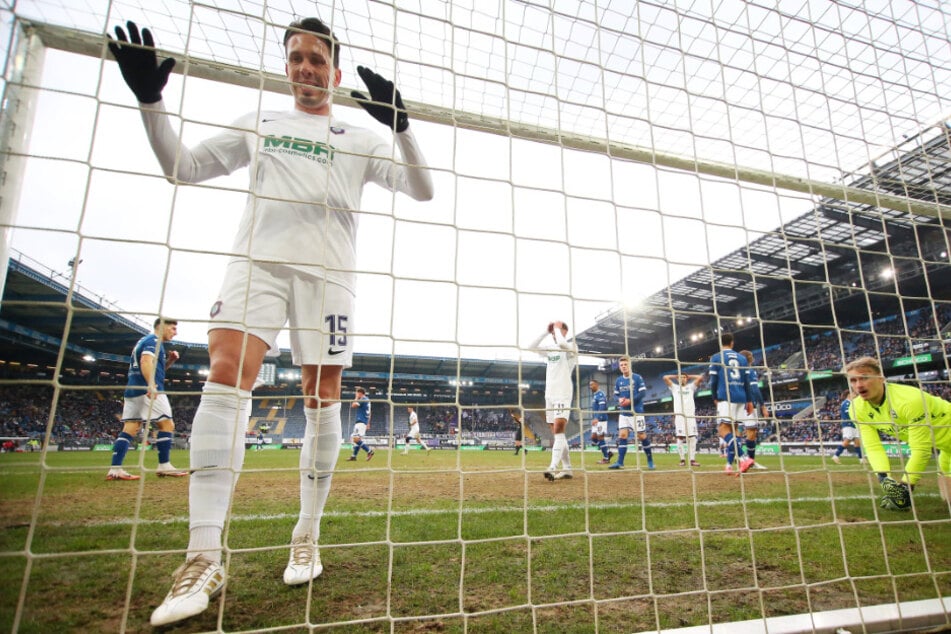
x=519 y=233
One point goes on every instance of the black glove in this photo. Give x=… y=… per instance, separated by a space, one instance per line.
x=897 y=495
x=138 y=63
x=383 y=95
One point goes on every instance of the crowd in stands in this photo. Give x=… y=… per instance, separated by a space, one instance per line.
x=890 y=338
x=89 y=414
x=83 y=416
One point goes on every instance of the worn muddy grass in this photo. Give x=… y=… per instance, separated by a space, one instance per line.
x=469 y=542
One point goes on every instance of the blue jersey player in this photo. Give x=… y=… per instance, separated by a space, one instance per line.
x=146 y=401
x=751 y=423
x=730 y=385
x=361 y=424
x=599 y=421
x=629 y=390
x=850 y=435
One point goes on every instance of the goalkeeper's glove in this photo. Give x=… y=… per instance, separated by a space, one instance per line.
x=897 y=495
x=383 y=97
x=139 y=64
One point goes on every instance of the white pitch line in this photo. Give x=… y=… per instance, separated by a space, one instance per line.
x=480 y=511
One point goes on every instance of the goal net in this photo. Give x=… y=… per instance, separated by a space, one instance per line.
x=654 y=174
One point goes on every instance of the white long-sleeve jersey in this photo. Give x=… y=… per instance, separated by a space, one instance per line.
x=561 y=356
x=307 y=174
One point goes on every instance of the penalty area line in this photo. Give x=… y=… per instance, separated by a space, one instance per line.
x=254 y=517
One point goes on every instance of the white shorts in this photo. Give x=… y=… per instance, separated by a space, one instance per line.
x=600 y=428
x=413 y=431
x=731 y=413
x=685 y=425
x=320 y=314
x=139 y=409
x=557 y=408
x=637 y=423
x=850 y=433
x=751 y=422
x=359 y=430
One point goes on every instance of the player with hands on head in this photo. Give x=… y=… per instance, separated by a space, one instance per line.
x=904 y=412
x=683 y=391
x=294 y=264
x=561 y=356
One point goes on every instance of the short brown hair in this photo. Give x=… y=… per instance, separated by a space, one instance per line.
x=864 y=362
x=318 y=28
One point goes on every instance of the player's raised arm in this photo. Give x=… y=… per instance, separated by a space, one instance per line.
x=141 y=71
x=385 y=104
x=138 y=63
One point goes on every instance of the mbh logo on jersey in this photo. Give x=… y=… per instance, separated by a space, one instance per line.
x=337 y=130
x=313 y=150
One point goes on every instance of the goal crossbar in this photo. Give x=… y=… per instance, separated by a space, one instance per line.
x=91 y=44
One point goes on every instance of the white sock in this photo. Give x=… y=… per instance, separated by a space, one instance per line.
x=692 y=447
x=557 y=448
x=566 y=456
x=680 y=448
x=318 y=458
x=217 y=455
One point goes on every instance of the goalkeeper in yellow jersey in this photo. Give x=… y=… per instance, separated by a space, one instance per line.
x=905 y=412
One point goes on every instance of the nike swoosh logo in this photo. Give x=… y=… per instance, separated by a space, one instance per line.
x=331 y=351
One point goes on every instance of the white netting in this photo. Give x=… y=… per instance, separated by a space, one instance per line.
x=587 y=155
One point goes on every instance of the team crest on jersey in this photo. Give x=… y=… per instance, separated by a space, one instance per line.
x=337 y=130
x=215 y=309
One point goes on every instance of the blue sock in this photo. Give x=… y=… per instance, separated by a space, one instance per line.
x=646 y=444
x=163 y=443
x=603 y=446
x=356 y=448
x=839 y=450
x=858 y=452
x=621 y=450
x=730 y=449
x=366 y=447
x=120 y=447
x=751 y=449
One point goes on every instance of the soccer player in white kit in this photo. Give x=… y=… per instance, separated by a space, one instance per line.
x=561 y=356
x=294 y=263
x=413 y=433
x=685 y=414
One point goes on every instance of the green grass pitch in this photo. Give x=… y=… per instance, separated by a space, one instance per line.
x=470 y=541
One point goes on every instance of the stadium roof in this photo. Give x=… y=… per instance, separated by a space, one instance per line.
x=804 y=274
x=35 y=313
